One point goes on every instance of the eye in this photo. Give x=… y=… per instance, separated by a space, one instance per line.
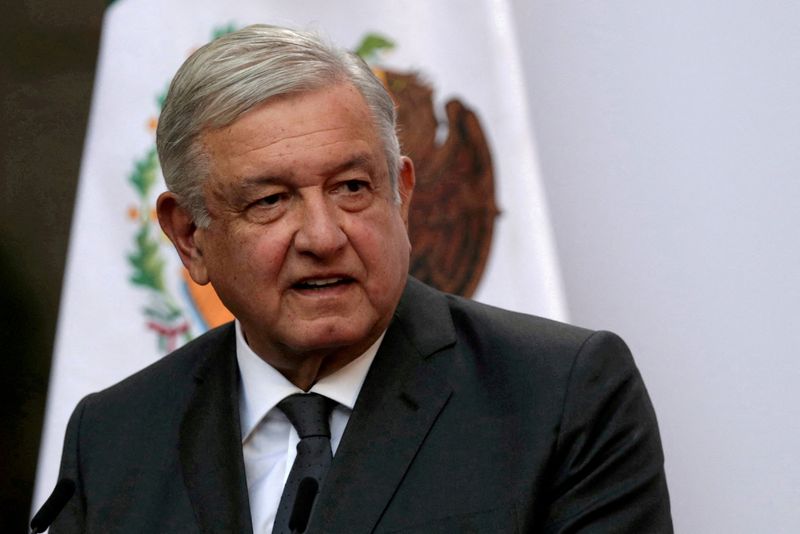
x=269 y=207
x=353 y=195
x=270 y=200
x=354 y=186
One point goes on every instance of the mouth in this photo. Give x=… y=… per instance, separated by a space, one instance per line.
x=318 y=284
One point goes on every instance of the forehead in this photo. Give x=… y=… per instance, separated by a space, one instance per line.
x=314 y=128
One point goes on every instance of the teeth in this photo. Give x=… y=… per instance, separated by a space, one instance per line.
x=322 y=282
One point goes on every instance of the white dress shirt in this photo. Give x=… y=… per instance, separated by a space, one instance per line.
x=269 y=441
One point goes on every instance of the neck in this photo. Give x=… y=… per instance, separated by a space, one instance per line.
x=308 y=371
x=306 y=368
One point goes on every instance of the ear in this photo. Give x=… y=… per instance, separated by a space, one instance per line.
x=178 y=224
x=406 y=179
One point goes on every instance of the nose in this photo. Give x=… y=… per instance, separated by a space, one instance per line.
x=320 y=233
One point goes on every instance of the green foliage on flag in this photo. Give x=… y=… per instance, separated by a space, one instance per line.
x=144 y=173
x=148 y=266
x=372 y=44
x=219 y=31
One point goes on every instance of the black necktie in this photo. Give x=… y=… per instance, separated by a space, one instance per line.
x=309 y=413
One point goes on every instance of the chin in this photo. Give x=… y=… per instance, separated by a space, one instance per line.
x=332 y=335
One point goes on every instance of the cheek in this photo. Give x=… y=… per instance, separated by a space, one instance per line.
x=248 y=258
x=386 y=248
x=262 y=258
x=398 y=237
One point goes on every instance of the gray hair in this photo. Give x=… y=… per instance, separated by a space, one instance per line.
x=233 y=74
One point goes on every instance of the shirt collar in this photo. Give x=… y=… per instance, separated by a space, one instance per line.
x=263 y=386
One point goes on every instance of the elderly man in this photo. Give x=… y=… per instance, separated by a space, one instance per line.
x=346 y=397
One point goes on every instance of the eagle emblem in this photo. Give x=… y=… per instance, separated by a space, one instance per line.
x=453 y=209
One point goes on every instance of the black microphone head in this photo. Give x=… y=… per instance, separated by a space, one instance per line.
x=303 y=502
x=53 y=505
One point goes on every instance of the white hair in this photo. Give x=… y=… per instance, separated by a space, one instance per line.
x=235 y=73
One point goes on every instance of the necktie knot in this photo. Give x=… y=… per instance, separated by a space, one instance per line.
x=308 y=413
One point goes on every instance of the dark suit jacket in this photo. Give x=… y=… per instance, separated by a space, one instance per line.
x=471 y=419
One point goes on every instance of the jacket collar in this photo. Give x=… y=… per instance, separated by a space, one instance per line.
x=404 y=392
x=210 y=444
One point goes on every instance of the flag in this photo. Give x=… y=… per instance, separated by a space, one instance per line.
x=479 y=223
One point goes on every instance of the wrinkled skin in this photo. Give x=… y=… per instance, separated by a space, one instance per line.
x=306 y=247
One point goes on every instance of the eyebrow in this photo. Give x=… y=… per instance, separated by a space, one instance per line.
x=358 y=161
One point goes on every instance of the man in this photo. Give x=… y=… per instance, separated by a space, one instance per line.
x=287 y=193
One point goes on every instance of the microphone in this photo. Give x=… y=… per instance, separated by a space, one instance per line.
x=303 y=502
x=53 y=505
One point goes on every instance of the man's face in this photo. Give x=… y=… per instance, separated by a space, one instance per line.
x=307 y=247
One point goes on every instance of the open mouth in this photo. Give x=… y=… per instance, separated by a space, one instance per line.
x=322 y=283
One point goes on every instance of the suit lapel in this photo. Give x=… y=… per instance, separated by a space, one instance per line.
x=210 y=445
x=404 y=392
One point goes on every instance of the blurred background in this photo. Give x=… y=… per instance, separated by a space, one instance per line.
x=668 y=136
x=48 y=51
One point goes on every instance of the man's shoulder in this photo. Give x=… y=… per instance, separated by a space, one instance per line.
x=508 y=340
x=512 y=325
x=172 y=376
x=534 y=342
x=492 y=324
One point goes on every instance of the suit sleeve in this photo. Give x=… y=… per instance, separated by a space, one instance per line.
x=71 y=519
x=610 y=466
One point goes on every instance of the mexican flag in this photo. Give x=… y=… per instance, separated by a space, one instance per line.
x=479 y=224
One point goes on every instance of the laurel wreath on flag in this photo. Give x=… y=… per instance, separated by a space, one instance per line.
x=164 y=314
